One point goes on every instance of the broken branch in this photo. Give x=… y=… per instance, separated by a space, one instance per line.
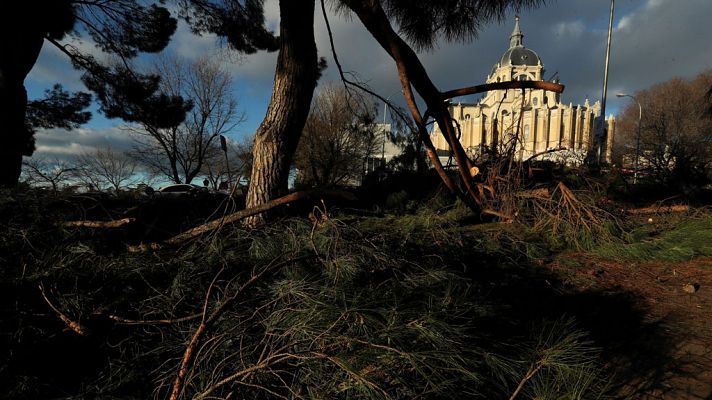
x=550 y=86
x=75 y=326
x=242 y=214
x=208 y=320
x=100 y=224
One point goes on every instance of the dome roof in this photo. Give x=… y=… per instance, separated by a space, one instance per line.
x=519 y=55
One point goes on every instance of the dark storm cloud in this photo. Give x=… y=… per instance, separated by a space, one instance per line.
x=653 y=41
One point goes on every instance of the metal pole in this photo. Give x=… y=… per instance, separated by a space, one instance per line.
x=227 y=167
x=383 y=151
x=604 y=129
x=637 y=141
x=223 y=145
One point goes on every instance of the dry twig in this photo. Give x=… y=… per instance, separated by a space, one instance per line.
x=100 y=224
x=71 y=324
x=209 y=319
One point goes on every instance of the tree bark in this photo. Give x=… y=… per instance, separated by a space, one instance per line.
x=412 y=71
x=295 y=79
x=20 y=45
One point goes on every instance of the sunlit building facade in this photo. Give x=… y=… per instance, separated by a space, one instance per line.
x=535 y=122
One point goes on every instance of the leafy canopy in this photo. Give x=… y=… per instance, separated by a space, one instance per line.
x=424 y=22
x=240 y=22
x=58 y=109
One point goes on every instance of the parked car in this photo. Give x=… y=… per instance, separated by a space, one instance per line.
x=181 y=189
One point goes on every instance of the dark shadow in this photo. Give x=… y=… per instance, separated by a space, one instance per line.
x=36 y=346
x=639 y=353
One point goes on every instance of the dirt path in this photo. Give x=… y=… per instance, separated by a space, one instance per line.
x=683 y=318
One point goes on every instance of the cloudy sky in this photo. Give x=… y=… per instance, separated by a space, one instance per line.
x=653 y=41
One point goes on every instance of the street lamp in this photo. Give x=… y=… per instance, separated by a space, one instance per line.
x=223 y=146
x=637 y=140
x=602 y=134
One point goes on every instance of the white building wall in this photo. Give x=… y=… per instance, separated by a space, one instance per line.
x=551 y=124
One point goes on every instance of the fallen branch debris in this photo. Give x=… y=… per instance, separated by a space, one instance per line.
x=100 y=224
x=242 y=214
x=209 y=319
x=71 y=324
x=659 y=209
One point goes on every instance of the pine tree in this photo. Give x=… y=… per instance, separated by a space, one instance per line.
x=120 y=27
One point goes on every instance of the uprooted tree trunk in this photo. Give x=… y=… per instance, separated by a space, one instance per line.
x=294 y=82
x=413 y=75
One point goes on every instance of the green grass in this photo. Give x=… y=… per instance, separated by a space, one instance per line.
x=689 y=239
x=421 y=305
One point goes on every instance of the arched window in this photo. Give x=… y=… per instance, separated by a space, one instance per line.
x=535 y=101
x=526 y=132
x=467 y=116
x=498 y=79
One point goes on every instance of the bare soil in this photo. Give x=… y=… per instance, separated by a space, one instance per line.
x=672 y=358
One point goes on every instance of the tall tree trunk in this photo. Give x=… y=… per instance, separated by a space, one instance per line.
x=295 y=79
x=19 y=50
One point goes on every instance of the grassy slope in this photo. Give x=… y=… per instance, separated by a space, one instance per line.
x=687 y=239
x=422 y=303
x=394 y=307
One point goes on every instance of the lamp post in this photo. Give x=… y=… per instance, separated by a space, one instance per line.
x=223 y=146
x=637 y=139
x=383 y=150
x=602 y=134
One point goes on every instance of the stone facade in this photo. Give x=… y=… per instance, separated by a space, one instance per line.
x=534 y=121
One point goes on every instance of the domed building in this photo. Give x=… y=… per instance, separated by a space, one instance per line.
x=543 y=121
